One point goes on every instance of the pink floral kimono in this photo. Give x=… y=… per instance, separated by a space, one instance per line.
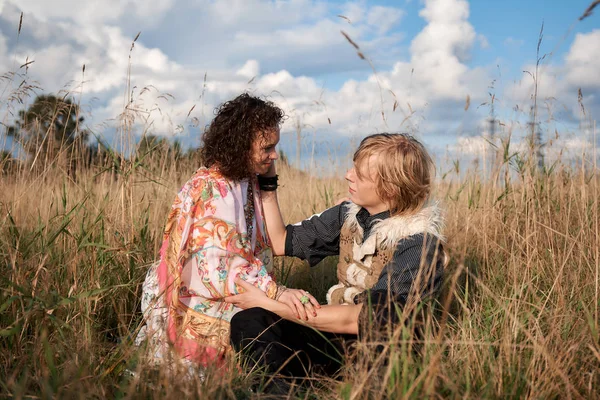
x=214 y=233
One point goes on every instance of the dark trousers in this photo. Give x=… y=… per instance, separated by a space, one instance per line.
x=284 y=347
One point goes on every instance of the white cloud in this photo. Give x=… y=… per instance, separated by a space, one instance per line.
x=448 y=31
x=512 y=42
x=582 y=67
x=96 y=12
x=559 y=84
x=354 y=12
x=567 y=148
x=472 y=146
x=435 y=72
x=564 y=148
x=280 y=49
x=4 y=64
x=324 y=32
x=104 y=49
x=384 y=18
x=249 y=70
x=483 y=42
x=264 y=15
x=439 y=50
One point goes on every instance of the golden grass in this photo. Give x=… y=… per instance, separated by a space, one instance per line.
x=522 y=320
x=519 y=314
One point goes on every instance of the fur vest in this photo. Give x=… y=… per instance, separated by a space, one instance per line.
x=362 y=261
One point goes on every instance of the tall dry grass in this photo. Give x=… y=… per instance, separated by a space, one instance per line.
x=521 y=297
x=518 y=316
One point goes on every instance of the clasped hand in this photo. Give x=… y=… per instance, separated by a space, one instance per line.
x=251 y=296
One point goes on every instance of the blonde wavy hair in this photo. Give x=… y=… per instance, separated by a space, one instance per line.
x=404 y=170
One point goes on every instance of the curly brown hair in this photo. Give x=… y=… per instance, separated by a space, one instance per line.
x=237 y=124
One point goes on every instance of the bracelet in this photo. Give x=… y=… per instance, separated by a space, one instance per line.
x=280 y=290
x=268 y=188
x=268 y=184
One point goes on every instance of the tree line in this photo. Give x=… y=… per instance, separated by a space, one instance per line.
x=51 y=133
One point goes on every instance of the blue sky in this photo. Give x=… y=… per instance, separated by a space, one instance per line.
x=511 y=29
x=429 y=56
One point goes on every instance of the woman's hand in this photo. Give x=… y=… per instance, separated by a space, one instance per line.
x=292 y=298
x=250 y=296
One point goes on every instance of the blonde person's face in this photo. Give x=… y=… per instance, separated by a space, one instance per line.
x=363 y=190
x=264 y=151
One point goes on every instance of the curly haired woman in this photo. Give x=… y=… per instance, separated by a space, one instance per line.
x=214 y=234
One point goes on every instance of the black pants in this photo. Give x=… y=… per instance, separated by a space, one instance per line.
x=284 y=347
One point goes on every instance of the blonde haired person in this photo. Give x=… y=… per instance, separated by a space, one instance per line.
x=388 y=238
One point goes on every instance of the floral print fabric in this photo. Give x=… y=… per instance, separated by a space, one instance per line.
x=205 y=247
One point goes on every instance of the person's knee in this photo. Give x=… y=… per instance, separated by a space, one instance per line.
x=249 y=317
x=247 y=325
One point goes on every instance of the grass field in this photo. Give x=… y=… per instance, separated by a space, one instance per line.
x=518 y=315
x=521 y=295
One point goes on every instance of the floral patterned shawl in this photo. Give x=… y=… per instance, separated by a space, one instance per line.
x=206 y=246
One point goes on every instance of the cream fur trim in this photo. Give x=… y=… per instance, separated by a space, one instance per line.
x=353 y=209
x=350 y=293
x=331 y=290
x=355 y=275
x=391 y=230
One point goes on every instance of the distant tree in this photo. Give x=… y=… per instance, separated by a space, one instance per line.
x=151 y=146
x=51 y=129
x=177 y=150
x=194 y=156
x=8 y=164
x=148 y=144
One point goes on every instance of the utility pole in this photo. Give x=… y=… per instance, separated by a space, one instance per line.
x=492 y=121
x=298 y=141
x=536 y=140
x=492 y=129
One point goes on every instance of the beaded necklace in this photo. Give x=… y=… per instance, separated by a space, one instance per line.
x=249 y=213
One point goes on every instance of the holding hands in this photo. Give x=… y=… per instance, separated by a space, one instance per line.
x=299 y=301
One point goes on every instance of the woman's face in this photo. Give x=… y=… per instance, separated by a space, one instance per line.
x=264 y=151
x=363 y=190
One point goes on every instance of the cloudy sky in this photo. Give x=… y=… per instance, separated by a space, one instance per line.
x=423 y=60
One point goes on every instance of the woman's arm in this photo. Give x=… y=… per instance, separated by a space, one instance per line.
x=274 y=222
x=273 y=218
x=336 y=319
x=312 y=239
